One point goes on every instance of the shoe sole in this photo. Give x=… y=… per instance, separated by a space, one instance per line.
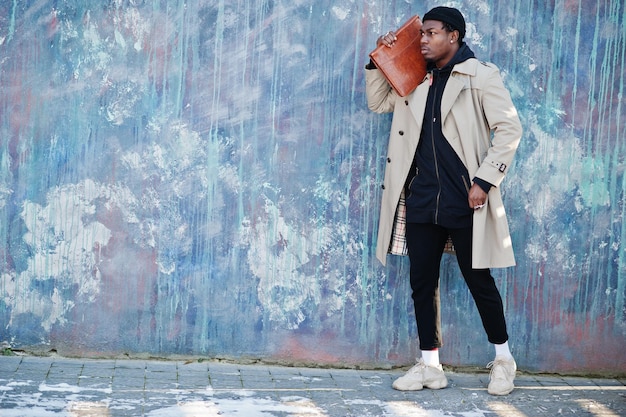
x=437 y=386
x=502 y=392
x=410 y=388
x=420 y=387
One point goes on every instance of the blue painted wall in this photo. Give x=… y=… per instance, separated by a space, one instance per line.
x=203 y=178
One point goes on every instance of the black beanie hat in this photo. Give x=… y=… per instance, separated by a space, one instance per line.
x=448 y=15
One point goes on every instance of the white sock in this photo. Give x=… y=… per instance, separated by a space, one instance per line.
x=503 y=351
x=431 y=357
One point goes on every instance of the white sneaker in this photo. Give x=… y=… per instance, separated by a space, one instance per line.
x=501 y=376
x=421 y=376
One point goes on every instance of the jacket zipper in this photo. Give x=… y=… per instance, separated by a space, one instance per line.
x=417 y=171
x=467 y=188
x=432 y=134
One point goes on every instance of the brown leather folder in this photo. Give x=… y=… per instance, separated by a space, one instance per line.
x=403 y=64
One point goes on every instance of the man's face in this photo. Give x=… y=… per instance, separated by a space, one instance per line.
x=437 y=44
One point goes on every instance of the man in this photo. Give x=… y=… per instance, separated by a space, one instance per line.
x=451 y=143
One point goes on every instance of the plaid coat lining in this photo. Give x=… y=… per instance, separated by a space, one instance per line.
x=397 y=245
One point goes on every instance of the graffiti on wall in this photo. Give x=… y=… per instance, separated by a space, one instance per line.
x=203 y=179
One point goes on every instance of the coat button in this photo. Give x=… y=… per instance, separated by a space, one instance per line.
x=382 y=186
x=401 y=132
x=389 y=160
x=406 y=102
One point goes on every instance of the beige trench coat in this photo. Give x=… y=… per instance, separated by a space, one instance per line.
x=482 y=125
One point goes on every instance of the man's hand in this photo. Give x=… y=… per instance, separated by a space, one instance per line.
x=476 y=197
x=388 y=39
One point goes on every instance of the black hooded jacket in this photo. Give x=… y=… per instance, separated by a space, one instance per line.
x=438 y=184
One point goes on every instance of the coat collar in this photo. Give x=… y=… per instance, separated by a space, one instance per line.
x=468 y=67
x=455 y=84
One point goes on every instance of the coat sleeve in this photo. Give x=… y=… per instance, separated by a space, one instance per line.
x=380 y=96
x=505 y=126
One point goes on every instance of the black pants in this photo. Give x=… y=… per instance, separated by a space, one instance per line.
x=425 y=243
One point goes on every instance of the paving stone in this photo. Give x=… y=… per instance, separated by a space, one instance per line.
x=39 y=386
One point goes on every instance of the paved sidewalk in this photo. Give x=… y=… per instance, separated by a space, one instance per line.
x=51 y=386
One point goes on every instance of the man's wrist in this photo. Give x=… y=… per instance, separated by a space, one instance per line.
x=484 y=185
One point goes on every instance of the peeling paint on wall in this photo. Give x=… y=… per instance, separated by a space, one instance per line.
x=203 y=179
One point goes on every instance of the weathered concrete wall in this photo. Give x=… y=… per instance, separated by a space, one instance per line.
x=203 y=178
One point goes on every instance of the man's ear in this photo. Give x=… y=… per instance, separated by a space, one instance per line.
x=455 y=38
